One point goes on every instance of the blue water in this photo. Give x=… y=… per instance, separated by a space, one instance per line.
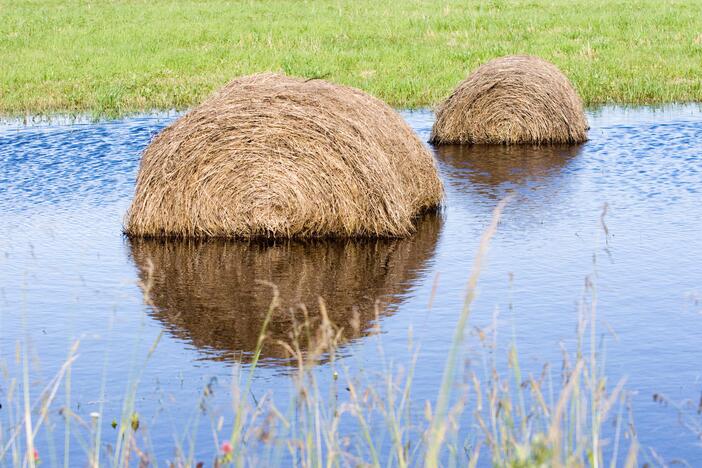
x=67 y=274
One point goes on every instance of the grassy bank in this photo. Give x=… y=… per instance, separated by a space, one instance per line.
x=129 y=56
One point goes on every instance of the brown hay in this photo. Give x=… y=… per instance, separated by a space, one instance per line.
x=273 y=156
x=512 y=100
x=208 y=292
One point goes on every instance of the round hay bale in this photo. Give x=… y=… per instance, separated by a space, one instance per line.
x=274 y=156
x=512 y=100
x=210 y=293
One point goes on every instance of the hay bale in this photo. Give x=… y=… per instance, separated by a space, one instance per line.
x=512 y=100
x=209 y=292
x=273 y=156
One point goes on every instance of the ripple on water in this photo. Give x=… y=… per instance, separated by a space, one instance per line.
x=66 y=271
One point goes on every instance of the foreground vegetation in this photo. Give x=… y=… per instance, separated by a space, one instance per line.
x=128 y=56
x=485 y=412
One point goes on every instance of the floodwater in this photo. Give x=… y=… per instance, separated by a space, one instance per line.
x=67 y=273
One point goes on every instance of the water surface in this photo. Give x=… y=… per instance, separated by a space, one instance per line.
x=67 y=273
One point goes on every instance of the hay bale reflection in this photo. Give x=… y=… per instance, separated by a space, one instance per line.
x=209 y=292
x=493 y=170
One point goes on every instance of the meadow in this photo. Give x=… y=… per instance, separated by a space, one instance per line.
x=115 y=58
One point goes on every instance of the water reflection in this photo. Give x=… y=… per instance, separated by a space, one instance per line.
x=210 y=294
x=63 y=272
x=492 y=170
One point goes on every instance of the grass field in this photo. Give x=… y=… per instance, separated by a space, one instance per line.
x=117 y=57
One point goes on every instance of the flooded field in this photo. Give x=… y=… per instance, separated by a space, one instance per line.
x=67 y=273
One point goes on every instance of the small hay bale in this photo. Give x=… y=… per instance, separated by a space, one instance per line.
x=512 y=100
x=274 y=156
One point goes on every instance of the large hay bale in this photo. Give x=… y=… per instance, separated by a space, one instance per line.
x=209 y=292
x=512 y=100
x=273 y=156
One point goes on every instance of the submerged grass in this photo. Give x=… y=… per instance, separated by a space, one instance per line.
x=112 y=58
x=487 y=413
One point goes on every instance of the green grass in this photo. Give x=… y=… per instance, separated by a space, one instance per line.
x=118 y=57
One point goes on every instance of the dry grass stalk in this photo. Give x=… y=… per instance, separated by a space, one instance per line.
x=273 y=156
x=512 y=100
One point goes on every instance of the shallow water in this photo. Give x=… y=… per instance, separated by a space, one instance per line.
x=67 y=273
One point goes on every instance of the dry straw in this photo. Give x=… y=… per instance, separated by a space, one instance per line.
x=273 y=156
x=512 y=100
